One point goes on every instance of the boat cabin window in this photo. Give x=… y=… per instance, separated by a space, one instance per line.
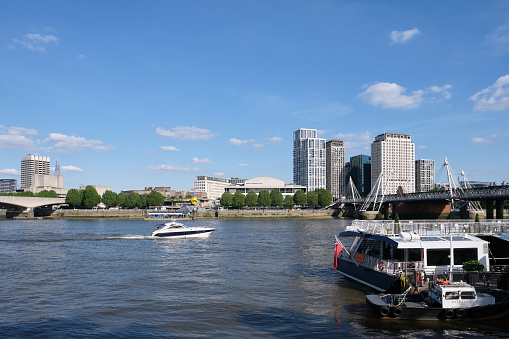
x=453 y=295
x=467 y=295
x=414 y=254
x=369 y=247
x=438 y=257
x=462 y=255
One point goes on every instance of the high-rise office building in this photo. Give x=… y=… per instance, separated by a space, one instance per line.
x=30 y=166
x=335 y=167
x=308 y=159
x=8 y=185
x=360 y=171
x=424 y=175
x=394 y=155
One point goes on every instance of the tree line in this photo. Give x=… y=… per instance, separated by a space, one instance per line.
x=89 y=198
x=318 y=198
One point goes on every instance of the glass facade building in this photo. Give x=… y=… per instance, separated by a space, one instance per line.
x=335 y=168
x=360 y=171
x=424 y=175
x=309 y=159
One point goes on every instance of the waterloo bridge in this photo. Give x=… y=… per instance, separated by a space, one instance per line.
x=17 y=205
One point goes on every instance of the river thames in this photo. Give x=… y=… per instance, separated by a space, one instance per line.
x=251 y=278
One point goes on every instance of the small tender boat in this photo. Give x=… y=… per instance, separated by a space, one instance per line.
x=443 y=300
x=174 y=229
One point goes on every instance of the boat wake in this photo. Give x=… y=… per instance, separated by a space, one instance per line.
x=132 y=236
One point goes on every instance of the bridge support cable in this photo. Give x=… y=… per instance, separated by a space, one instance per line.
x=474 y=205
x=457 y=192
x=379 y=190
x=351 y=192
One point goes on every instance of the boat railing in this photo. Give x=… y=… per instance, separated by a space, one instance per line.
x=387 y=266
x=430 y=227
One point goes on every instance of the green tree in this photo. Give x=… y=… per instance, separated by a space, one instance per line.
x=324 y=197
x=91 y=198
x=264 y=198
x=239 y=200
x=155 y=198
x=143 y=201
x=121 y=199
x=74 y=197
x=132 y=200
x=276 y=198
x=110 y=199
x=251 y=199
x=289 y=202
x=312 y=199
x=300 y=198
x=47 y=194
x=226 y=199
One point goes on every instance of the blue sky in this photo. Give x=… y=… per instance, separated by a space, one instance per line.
x=131 y=94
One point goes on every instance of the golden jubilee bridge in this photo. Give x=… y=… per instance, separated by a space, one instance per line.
x=451 y=196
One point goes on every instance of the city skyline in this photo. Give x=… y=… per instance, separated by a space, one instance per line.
x=163 y=92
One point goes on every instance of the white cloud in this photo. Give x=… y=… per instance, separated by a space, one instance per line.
x=361 y=141
x=420 y=147
x=403 y=36
x=36 y=42
x=238 y=142
x=15 y=141
x=186 y=133
x=258 y=147
x=9 y=171
x=172 y=168
x=488 y=140
x=243 y=165
x=19 y=130
x=494 y=97
x=13 y=137
x=274 y=140
x=69 y=143
x=70 y=169
x=442 y=90
x=390 y=95
x=218 y=174
x=201 y=161
x=170 y=149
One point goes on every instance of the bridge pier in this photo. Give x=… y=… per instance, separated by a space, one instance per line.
x=489 y=208
x=499 y=208
x=385 y=211
x=19 y=212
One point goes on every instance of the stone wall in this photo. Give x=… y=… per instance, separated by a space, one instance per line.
x=85 y=214
x=268 y=213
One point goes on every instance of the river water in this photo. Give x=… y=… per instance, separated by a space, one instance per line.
x=250 y=278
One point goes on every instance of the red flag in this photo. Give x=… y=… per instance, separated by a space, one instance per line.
x=338 y=248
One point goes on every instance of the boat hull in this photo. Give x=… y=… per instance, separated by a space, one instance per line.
x=186 y=234
x=418 y=311
x=378 y=280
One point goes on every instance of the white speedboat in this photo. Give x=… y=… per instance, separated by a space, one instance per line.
x=174 y=229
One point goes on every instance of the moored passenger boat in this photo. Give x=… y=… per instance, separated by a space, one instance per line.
x=389 y=257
